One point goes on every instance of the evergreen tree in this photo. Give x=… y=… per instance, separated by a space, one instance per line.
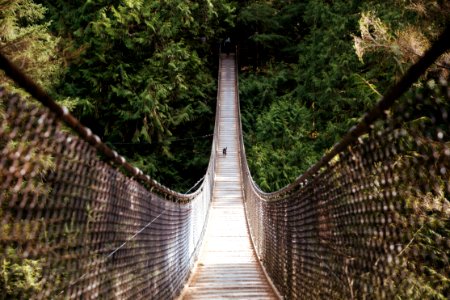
x=333 y=59
x=142 y=70
x=27 y=41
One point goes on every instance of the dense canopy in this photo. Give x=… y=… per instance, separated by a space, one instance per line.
x=142 y=75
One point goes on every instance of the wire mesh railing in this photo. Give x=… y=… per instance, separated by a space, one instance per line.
x=371 y=220
x=75 y=226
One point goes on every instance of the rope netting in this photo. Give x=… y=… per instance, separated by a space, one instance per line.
x=372 y=219
x=78 y=222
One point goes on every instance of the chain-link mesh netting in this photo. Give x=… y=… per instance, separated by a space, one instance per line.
x=73 y=226
x=371 y=223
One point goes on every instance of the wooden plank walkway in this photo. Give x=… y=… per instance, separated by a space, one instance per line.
x=227 y=266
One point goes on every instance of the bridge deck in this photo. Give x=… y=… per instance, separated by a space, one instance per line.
x=227 y=266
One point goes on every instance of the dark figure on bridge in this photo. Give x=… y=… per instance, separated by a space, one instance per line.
x=227 y=46
x=224 y=151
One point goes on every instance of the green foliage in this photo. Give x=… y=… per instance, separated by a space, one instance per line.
x=19 y=278
x=288 y=131
x=142 y=75
x=25 y=39
x=142 y=71
x=270 y=29
x=332 y=60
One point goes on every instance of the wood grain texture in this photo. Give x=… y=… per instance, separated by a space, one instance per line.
x=227 y=266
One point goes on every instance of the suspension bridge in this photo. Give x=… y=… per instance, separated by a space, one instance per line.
x=369 y=220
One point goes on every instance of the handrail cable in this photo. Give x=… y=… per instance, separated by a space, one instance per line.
x=370 y=219
x=440 y=46
x=350 y=226
x=18 y=76
x=71 y=194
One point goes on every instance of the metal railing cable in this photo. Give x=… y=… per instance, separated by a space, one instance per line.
x=370 y=220
x=74 y=225
x=62 y=113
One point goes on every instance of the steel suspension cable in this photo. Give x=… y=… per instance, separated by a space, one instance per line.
x=370 y=219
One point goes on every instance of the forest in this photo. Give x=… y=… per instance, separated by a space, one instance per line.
x=142 y=73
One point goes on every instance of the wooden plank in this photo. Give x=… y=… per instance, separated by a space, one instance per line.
x=227 y=266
